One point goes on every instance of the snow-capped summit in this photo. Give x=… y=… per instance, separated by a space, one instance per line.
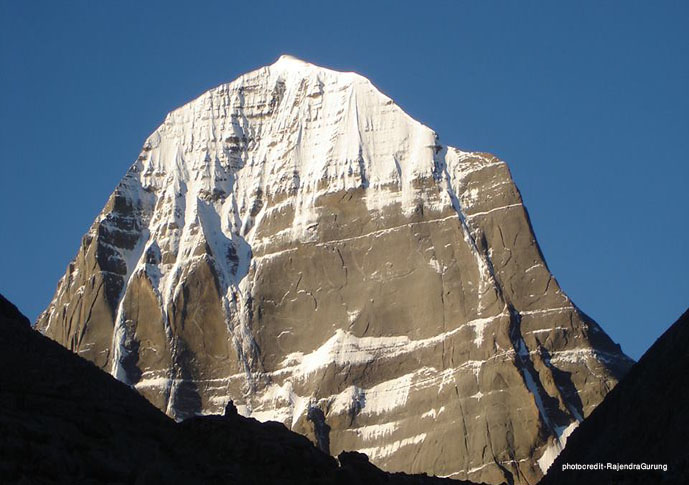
x=287 y=61
x=331 y=129
x=295 y=242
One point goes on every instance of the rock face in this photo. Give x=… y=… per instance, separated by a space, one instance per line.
x=295 y=242
x=63 y=420
x=642 y=421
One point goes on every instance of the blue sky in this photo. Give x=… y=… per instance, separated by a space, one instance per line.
x=588 y=102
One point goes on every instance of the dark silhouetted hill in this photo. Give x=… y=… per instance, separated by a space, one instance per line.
x=62 y=420
x=645 y=419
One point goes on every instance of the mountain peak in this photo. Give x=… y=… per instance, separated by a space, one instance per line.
x=294 y=242
x=288 y=61
x=292 y=68
x=301 y=128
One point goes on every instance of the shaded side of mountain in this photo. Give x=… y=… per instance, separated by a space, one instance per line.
x=643 y=420
x=63 y=420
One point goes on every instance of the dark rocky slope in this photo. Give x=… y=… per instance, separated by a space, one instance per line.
x=643 y=420
x=63 y=420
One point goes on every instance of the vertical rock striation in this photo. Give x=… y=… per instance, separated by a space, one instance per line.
x=295 y=242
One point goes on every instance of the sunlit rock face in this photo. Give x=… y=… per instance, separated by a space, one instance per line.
x=295 y=242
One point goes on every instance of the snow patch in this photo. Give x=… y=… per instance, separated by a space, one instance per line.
x=376 y=431
x=555 y=446
x=344 y=348
x=379 y=452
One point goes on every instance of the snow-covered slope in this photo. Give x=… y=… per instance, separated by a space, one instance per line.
x=295 y=242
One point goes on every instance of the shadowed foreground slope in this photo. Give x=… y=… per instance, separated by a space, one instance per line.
x=643 y=420
x=62 y=420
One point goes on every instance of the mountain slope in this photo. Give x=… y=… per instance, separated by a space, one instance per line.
x=62 y=420
x=295 y=242
x=643 y=420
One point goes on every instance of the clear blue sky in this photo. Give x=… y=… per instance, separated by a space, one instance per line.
x=588 y=102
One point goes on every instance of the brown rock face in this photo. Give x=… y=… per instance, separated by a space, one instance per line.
x=294 y=242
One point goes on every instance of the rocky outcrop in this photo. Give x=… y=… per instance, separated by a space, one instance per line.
x=295 y=242
x=63 y=420
x=641 y=423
